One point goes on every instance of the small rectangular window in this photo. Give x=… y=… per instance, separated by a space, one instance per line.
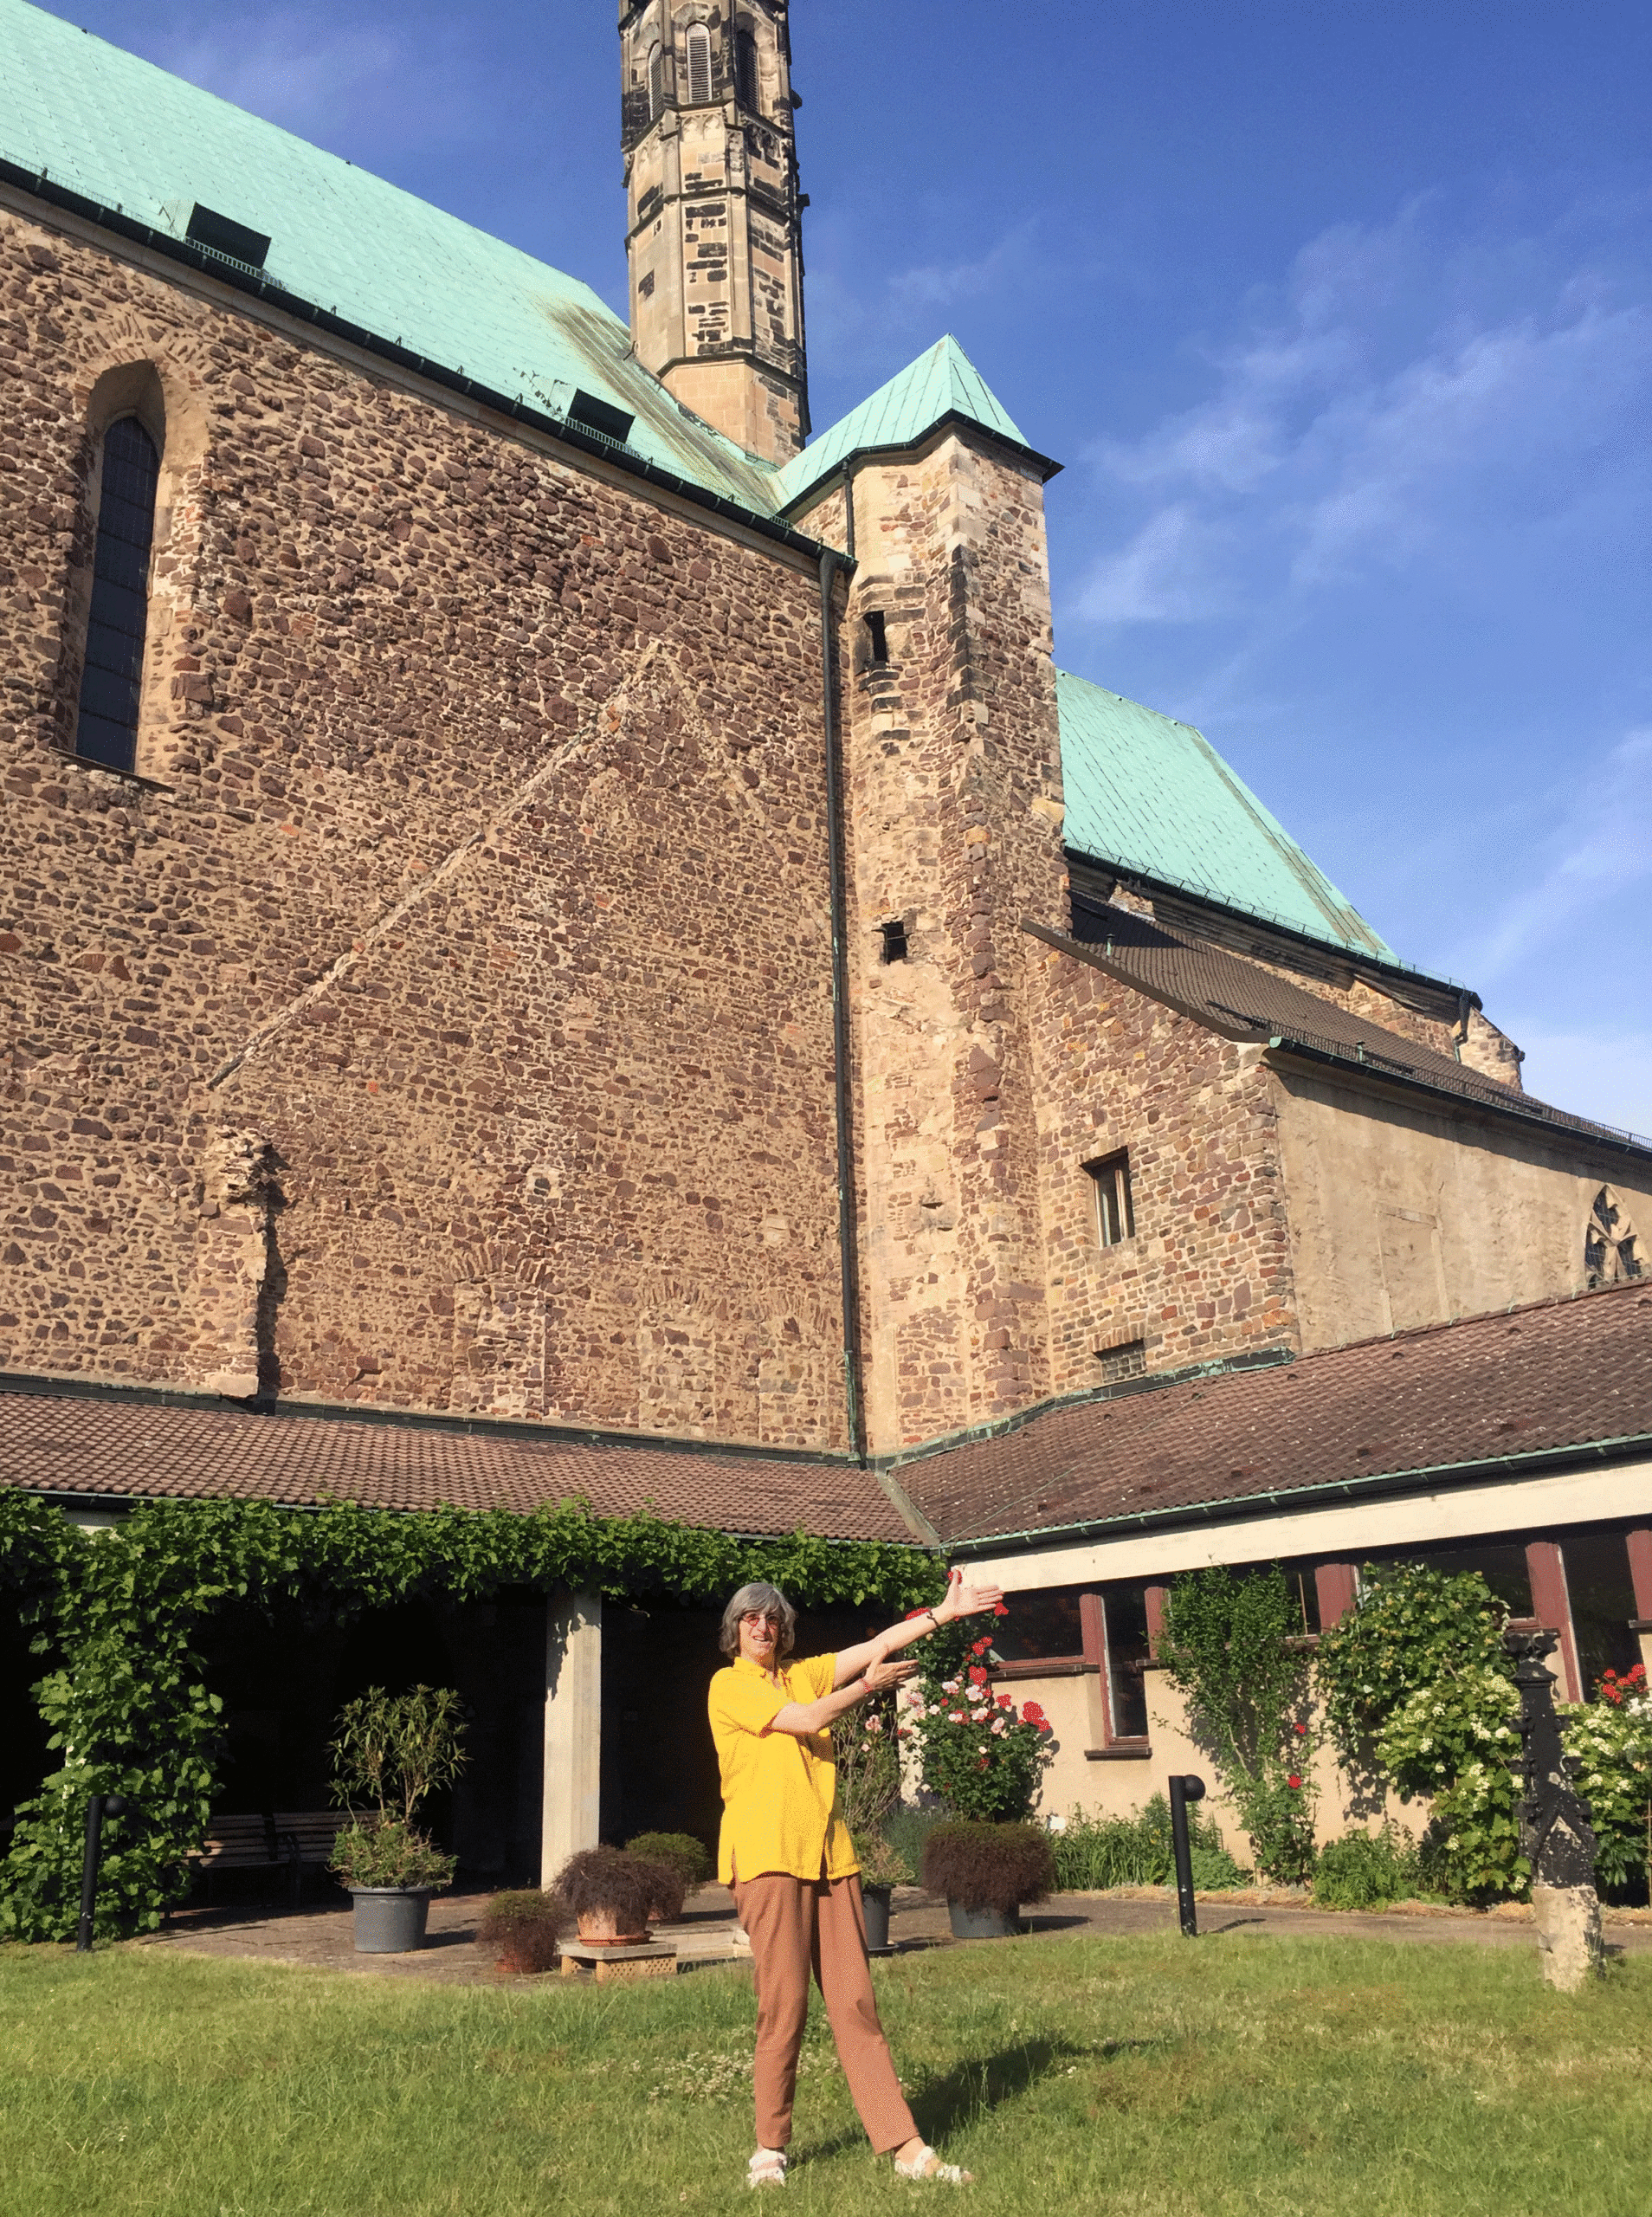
x=1115 y=1215
x=1125 y=1359
x=877 y=638
x=894 y=939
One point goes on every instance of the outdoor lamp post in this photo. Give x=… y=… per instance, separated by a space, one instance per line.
x=1182 y=1791
x=99 y=1806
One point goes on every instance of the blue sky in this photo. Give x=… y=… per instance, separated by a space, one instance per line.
x=1340 y=315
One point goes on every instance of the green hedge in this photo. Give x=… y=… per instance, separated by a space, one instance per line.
x=130 y=1710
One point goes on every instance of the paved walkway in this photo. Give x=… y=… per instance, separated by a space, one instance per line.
x=321 y=1938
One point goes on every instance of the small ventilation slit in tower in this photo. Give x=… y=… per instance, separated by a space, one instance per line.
x=894 y=939
x=877 y=638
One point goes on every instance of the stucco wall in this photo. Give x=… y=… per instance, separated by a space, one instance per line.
x=442 y=1019
x=1403 y=1214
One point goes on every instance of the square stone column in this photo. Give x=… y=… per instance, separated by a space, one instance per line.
x=573 y=1729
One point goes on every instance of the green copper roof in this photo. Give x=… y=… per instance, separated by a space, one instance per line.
x=1153 y=796
x=128 y=136
x=941 y=383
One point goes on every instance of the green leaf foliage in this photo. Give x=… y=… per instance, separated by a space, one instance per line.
x=1231 y=1643
x=1420 y=1696
x=130 y=1711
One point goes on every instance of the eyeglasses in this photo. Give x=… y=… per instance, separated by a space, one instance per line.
x=759 y=1617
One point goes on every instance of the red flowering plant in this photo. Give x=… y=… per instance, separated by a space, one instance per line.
x=982 y=1755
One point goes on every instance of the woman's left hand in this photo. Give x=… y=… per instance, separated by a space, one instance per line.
x=962 y=1600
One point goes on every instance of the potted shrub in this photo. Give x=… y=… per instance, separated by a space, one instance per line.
x=882 y=1869
x=987 y=1872
x=680 y=1852
x=523 y=1924
x=394 y=1750
x=613 y=1895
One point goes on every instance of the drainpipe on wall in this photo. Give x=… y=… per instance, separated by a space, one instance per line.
x=831 y=563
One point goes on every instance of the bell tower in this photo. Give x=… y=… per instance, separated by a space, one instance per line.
x=713 y=229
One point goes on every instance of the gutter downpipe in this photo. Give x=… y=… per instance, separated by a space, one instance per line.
x=831 y=563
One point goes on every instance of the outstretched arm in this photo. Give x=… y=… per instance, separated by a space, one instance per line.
x=959 y=1601
x=802 y=1718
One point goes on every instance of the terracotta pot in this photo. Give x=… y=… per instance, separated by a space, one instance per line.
x=525 y=1953
x=598 y=1928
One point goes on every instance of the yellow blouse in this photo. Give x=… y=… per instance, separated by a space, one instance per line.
x=779 y=1791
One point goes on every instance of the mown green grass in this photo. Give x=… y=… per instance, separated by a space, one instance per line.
x=1159 y=2078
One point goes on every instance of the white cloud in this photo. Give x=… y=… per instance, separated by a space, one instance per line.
x=1403 y=398
x=360 y=83
x=1599 y=854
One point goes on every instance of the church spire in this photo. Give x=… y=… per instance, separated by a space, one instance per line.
x=714 y=231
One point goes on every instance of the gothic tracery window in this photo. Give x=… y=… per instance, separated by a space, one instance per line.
x=111 y=679
x=1611 y=1252
x=697 y=47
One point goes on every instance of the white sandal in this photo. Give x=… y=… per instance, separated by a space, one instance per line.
x=927 y=2164
x=767 y=2168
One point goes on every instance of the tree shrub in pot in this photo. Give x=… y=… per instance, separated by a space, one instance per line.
x=987 y=1873
x=613 y=1895
x=523 y=1924
x=394 y=1750
x=690 y=1857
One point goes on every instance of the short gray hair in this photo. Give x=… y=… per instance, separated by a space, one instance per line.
x=770 y=1599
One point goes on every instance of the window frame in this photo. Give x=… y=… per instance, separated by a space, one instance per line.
x=1110 y=1180
x=697 y=42
x=92 y=623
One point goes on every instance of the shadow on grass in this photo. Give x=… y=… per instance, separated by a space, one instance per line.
x=941 y=2105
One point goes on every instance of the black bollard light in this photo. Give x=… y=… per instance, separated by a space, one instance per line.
x=99 y=1806
x=1182 y=1791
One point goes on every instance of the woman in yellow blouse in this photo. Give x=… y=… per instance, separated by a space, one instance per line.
x=787 y=1854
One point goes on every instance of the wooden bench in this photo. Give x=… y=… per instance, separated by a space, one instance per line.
x=294 y=1840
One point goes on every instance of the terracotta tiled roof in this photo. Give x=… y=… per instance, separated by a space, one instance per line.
x=1519 y=1383
x=1242 y=1000
x=1564 y=1375
x=123 y=1445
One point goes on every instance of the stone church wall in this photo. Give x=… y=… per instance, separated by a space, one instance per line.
x=954 y=789
x=1207 y=1272
x=1402 y=1214
x=440 y=1018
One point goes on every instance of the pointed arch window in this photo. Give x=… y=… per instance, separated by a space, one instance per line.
x=657 y=80
x=746 y=71
x=698 y=52
x=107 y=730
x=1612 y=1250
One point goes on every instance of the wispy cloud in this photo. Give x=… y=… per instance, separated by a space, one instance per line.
x=1377 y=413
x=364 y=84
x=1599 y=852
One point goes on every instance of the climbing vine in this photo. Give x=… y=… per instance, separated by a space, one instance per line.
x=1230 y=1643
x=130 y=1711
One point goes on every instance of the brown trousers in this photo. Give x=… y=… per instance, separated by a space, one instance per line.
x=797 y=1925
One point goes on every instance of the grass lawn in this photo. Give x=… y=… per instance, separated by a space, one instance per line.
x=1167 y=2078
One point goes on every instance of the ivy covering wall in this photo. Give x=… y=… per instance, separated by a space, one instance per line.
x=128 y=1707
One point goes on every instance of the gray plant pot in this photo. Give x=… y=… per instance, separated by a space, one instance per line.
x=982 y=1924
x=875 y=1901
x=390 y=1920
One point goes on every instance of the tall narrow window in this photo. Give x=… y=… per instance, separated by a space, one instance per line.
x=1115 y=1215
x=698 y=53
x=657 y=80
x=112 y=678
x=745 y=70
